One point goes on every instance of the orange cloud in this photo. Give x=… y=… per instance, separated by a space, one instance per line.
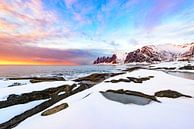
x=6 y=27
x=18 y=61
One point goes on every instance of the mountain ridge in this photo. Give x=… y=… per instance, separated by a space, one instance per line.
x=154 y=53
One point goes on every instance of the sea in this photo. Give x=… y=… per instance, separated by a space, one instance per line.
x=68 y=72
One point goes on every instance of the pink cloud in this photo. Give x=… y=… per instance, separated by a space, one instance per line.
x=20 y=53
x=24 y=22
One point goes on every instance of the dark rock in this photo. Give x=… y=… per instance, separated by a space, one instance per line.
x=39 y=79
x=170 y=94
x=188 y=67
x=16 y=84
x=54 y=109
x=19 y=118
x=132 y=69
x=165 y=68
x=36 y=80
x=139 y=80
x=14 y=99
x=127 y=97
x=119 y=80
x=131 y=79
x=96 y=78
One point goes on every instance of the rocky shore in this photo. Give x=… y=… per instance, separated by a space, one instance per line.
x=137 y=86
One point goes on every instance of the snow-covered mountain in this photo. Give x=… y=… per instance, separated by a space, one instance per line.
x=157 y=53
x=165 y=52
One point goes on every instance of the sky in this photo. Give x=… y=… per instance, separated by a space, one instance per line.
x=75 y=32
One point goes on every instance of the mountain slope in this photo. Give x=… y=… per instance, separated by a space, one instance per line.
x=166 y=52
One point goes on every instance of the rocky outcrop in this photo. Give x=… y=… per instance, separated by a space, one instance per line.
x=131 y=79
x=14 y=99
x=108 y=60
x=171 y=94
x=54 y=99
x=96 y=78
x=187 y=67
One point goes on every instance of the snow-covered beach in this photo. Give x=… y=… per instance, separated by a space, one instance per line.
x=103 y=101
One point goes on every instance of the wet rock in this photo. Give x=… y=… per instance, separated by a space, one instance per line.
x=96 y=78
x=39 y=79
x=36 y=80
x=14 y=99
x=54 y=109
x=132 y=69
x=128 y=97
x=170 y=94
x=188 y=67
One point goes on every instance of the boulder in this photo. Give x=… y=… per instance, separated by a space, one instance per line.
x=54 y=109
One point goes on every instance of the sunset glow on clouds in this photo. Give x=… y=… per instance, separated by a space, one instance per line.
x=73 y=32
